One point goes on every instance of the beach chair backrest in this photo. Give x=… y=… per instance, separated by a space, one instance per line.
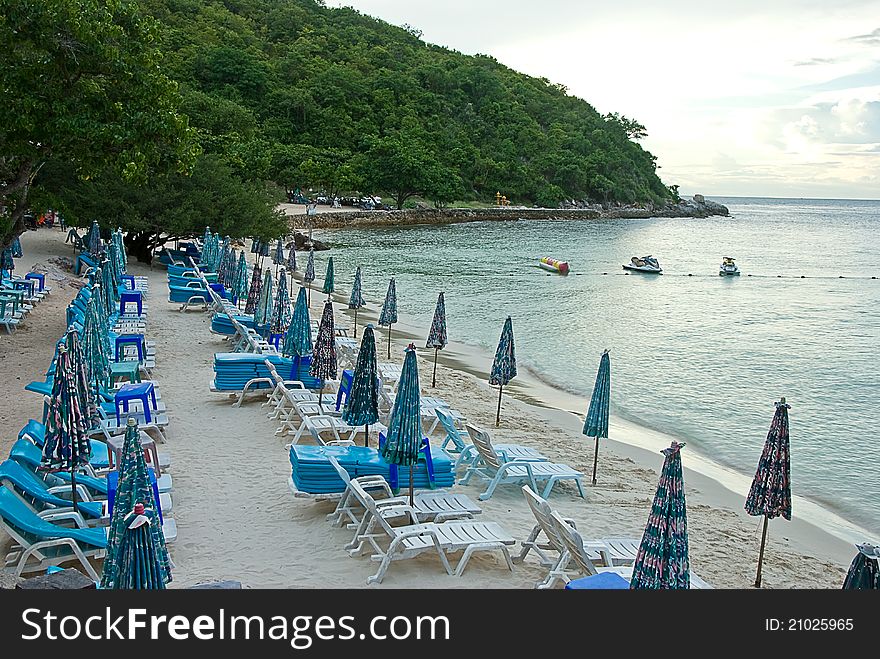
x=369 y=504
x=483 y=444
x=573 y=542
x=343 y=474
x=543 y=512
x=449 y=426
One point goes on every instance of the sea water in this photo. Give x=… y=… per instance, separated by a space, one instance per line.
x=695 y=355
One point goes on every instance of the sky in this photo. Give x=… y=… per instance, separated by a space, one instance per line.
x=776 y=98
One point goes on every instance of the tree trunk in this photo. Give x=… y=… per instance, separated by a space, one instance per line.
x=140 y=245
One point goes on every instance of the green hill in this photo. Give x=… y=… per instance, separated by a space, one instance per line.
x=305 y=95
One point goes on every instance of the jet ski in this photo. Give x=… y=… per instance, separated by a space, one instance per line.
x=644 y=264
x=728 y=267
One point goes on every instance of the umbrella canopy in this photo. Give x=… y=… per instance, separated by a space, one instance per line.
x=389 y=308
x=291 y=260
x=6 y=260
x=264 y=248
x=96 y=345
x=356 y=301
x=229 y=270
x=93 y=239
x=278 y=256
x=255 y=245
x=662 y=559
x=309 y=275
x=362 y=403
x=405 y=425
x=864 y=573
x=324 y=358
x=264 y=308
x=134 y=487
x=72 y=410
x=437 y=338
x=770 y=494
x=240 y=287
x=328 y=278
x=109 y=286
x=596 y=423
x=16 y=248
x=298 y=339
x=504 y=364
x=253 y=297
x=137 y=565
x=281 y=312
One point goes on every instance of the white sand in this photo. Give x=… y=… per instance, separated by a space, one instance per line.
x=237 y=519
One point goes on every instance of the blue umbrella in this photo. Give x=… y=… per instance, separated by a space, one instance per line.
x=324 y=358
x=362 y=403
x=504 y=365
x=437 y=338
x=770 y=494
x=864 y=573
x=405 y=425
x=263 y=312
x=93 y=240
x=356 y=301
x=309 y=275
x=281 y=312
x=240 y=286
x=329 y=285
x=388 y=316
x=298 y=339
x=255 y=245
x=278 y=256
x=16 y=248
x=596 y=423
x=662 y=560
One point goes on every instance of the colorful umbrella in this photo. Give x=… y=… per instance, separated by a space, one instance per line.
x=309 y=275
x=362 y=403
x=405 y=425
x=16 y=248
x=134 y=487
x=504 y=365
x=596 y=423
x=264 y=308
x=389 y=311
x=356 y=301
x=437 y=338
x=71 y=413
x=298 y=339
x=281 y=312
x=324 y=358
x=864 y=573
x=662 y=559
x=328 y=278
x=254 y=292
x=138 y=564
x=770 y=494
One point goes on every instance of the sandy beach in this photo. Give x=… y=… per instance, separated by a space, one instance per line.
x=237 y=520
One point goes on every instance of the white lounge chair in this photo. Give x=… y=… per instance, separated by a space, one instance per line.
x=415 y=538
x=495 y=467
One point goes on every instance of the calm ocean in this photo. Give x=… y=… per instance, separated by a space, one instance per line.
x=700 y=357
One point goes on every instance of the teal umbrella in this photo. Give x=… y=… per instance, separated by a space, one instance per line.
x=72 y=412
x=264 y=308
x=504 y=365
x=356 y=301
x=298 y=339
x=93 y=240
x=253 y=297
x=405 y=425
x=389 y=311
x=328 y=278
x=6 y=260
x=309 y=275
x=96 y=345
x=596 y=423
x=362 y=403
x=16 y=248
x=281 y=312
x=134 y=487
x=324 y=365
x=662 y=559
x=240 y=286
x=437 y=338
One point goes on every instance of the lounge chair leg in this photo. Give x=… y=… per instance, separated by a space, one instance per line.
x=489 y=491
x=580 y=487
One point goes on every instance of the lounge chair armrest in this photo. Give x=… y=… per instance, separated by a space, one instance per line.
x=392 y=501
x=399 y=510
x=447 y=516
x=82 y=494
x=293 y=384
x=54 y=515
x=517 y=463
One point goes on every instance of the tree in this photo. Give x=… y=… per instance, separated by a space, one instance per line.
x=404 y=165
x=82 y=84
x=168 y=207
x=632 y=128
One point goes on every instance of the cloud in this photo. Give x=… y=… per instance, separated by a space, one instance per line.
x=870 y=39
x=813 y=61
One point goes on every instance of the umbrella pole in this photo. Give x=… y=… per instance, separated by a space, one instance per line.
x=366 y=434
x=498 y=411
x=595 y=459
x=389 y=341
x=411 y=486
x=761 y=554
x=321 y=397
x=355 y=322
x=434 y=377
x=309 y=294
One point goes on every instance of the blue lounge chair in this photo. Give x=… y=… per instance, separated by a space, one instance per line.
x=41 y=497
x=36 y=433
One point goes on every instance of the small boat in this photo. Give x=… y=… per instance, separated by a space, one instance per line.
x=644 y=264
x=728 y=267
x=554 y=265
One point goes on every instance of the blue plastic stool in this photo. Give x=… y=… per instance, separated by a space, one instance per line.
x=141 y=391
x=275 y=340
x=345 y=383
x=128 y=281
x=113 y=482
x=130 y=339
x=127 y=297
x=39 y=277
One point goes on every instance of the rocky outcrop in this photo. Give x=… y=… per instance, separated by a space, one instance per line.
x=301 y=243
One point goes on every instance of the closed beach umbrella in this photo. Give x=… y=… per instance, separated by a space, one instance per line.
x=240 y=289
x=278 y=256
x=298 y=338
x=362 y=403
x=264 y=308
x=291 y=260
x=770 y=494
x=93 y=240
x=389 y=311
x=504 y=365
x=356 y=301
x=328 y=278
x=229 y=271
x=16 y=248
x=6 y=261
x=864 y=573
x=309 y=275
x=324 y=357
x=281 y=311
x=405 y=425
x=134 y=487
x=264 y=250
x=596 y=424
x=95 y=345
x=71 y=413
x=662 y=559
x=138 y=566
x=109 y=285
x=437 y=338
x=250 y=306
x=255 y=245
